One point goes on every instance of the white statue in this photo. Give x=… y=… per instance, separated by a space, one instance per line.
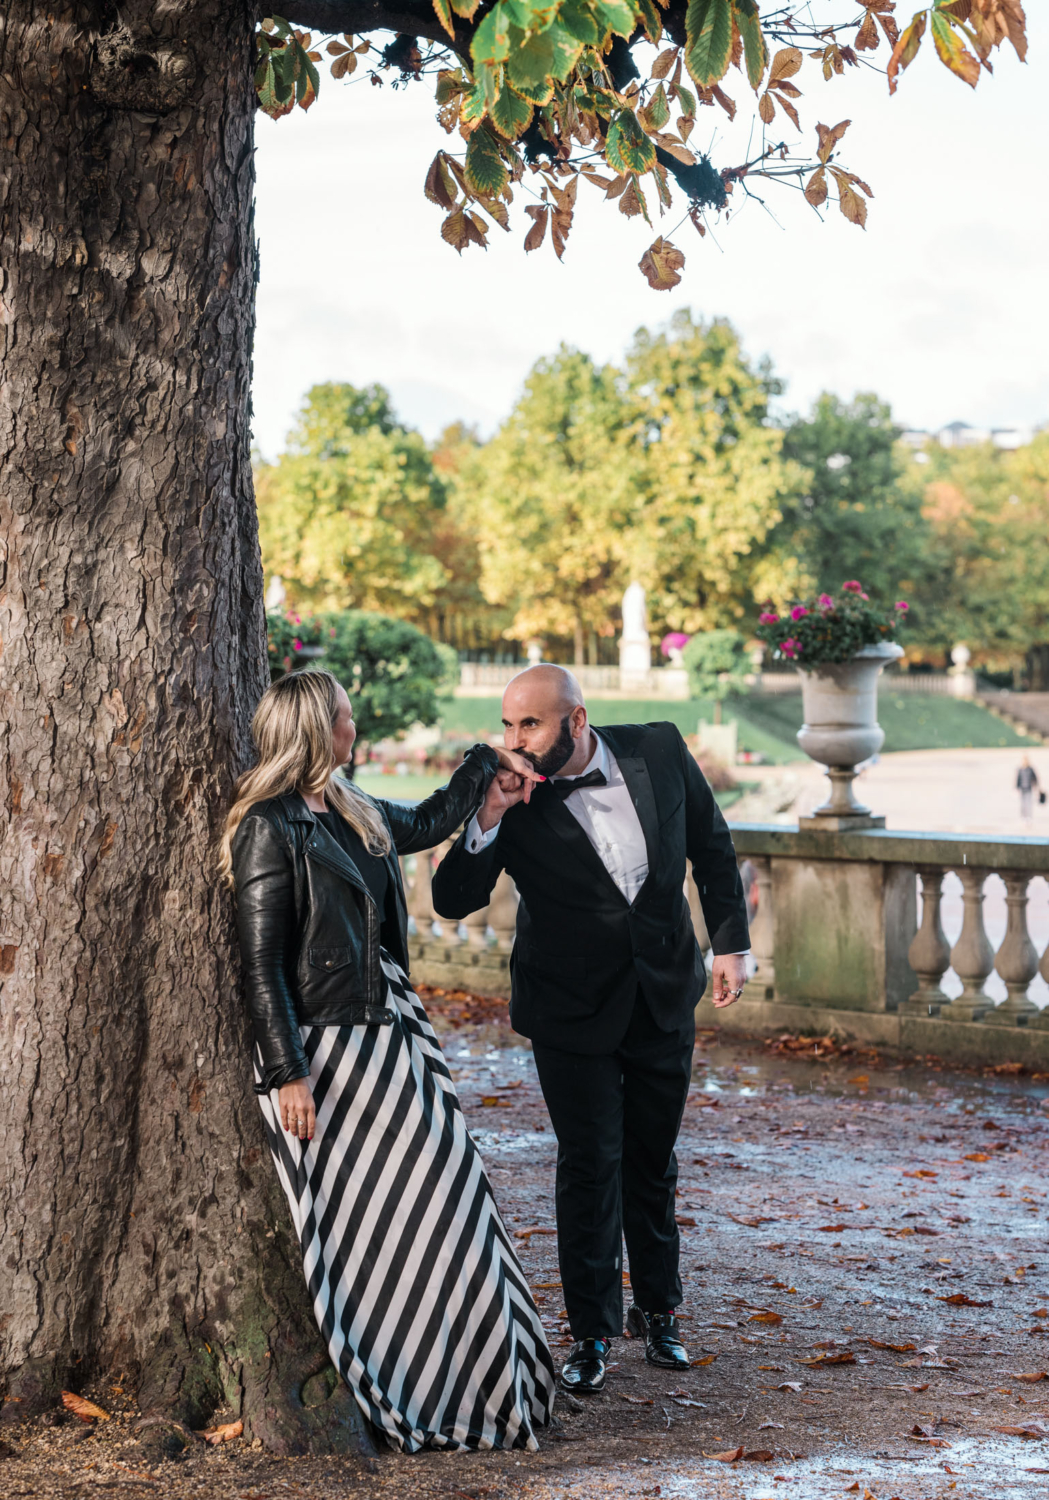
x=635 y=647
x=276 y=593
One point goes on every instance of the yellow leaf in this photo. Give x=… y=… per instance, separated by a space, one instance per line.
x=225 y=1432
x=906 y=49
x=766 y=108
x=785 y=64
x=664 y=62
x=829 y=138
x=86 y=1410
x=849 y=201
x=952 y=51
x=661 y=264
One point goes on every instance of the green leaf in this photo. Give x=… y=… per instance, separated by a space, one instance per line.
x=530 y=15
x=510 y=114
x=628 y=148
x=475 y=104
x=530 y=61
x=656 y=112
x=444 y=15
x=577 y=18
x=687 y=99
x=485 y=169
x=465 y=8
x=708 y=40
x=616 y=15
x=650 y=20
x=567 y=51
x=540 y=93
x=755 y=51
x=952 y=51
x=491 y=43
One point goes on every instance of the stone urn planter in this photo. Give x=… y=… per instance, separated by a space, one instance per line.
x=840 y=704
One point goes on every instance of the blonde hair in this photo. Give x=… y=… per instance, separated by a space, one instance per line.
x=292 y=730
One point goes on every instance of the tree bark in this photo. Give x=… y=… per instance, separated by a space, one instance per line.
x=142 y=1225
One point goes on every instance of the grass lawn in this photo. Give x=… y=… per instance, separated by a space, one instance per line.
x=911 y=721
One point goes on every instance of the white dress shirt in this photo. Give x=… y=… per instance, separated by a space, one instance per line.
x=607 y=816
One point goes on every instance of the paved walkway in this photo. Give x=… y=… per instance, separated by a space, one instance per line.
x=866 y=1301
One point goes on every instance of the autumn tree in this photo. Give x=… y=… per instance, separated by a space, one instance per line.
x=988 y=584
x=349 y=513
x=143 y=1229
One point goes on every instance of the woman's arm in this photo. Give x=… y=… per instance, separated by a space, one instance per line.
x=266 y=927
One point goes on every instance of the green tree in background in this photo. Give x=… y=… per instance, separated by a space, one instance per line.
x=715 y=481
x=860 y=514
x=394 y=674
x=717 y=663
x=349 y=513
x=554 y=500
x=988 y=518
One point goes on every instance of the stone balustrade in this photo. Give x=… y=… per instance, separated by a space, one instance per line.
x=847 y=937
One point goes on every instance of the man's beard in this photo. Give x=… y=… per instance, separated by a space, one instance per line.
x=559 y=754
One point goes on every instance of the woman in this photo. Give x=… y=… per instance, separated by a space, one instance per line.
x=420 y=1298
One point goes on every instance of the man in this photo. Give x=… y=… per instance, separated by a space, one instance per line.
x=1026 y=782
x=605 y=977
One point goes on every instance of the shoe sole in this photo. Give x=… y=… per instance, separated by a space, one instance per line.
x=581 y=1390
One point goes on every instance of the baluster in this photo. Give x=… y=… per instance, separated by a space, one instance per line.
x=502 y=913
x=972 y=955
x=699 y=922
x=1017 y=958
x=762 y=983
x=476 y=925
x=929 y=953
x=447 y=926
x=421 y=906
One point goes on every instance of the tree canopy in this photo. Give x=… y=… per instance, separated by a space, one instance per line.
x=543 y=93
x=351 y=510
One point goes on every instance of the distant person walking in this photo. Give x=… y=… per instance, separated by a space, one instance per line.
x=1026 y=784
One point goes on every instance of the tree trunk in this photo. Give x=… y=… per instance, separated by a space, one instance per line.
x=580 y=659
x=142 y=1225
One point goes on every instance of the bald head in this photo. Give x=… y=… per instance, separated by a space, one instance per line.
x=544 y=718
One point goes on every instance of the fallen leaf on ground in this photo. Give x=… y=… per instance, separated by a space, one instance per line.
x=861 y=1078
x=707 y=1359
x=830 y=1228
x=921 y=1172
x=978 y=1156
x=636 y=1400
x=225 y=1432
x=1028 y=1430
x=86 y=1410
x=845 y=1357
x=916 y=1388
x=896 y=1348
x=754 y=1223
x=1031 y=1376
x=685 y=1223
x=759 y=1455
x=523 y=1234
x=777 y=1368
x=790 y=1385
x=728 y=1457
x=962 y=1299
x=489 y=1101
x=768 y=1422
x=765 y=1317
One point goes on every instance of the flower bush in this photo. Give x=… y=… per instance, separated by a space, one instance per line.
x=829 y=628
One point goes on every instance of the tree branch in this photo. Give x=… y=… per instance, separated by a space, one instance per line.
x=407 y=18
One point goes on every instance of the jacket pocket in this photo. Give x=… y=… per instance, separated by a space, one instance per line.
x=330 y=959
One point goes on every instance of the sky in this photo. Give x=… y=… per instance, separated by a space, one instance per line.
x=941 y=305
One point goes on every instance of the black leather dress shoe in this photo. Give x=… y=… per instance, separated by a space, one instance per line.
x=659 y=1331
x=583 y=1372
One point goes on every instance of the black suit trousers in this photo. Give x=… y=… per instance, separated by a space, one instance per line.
x=616 y=1118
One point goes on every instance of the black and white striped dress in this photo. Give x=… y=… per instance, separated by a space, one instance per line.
x=416 y=1288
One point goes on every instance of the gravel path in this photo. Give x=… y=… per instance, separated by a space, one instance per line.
x=867 y=1299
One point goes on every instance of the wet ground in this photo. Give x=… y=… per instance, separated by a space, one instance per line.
x=866 y=1298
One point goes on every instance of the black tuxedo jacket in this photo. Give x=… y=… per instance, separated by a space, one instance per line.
x=582 y=949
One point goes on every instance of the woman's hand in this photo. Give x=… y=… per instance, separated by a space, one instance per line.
x=298 y=1113
x=521 y=766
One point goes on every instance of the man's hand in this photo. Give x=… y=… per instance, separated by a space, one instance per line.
x=729 y=975
x=506 y=789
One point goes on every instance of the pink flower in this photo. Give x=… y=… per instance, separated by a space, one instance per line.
x=768 y=618
x=295 y=620
x=865 y=596
x=287 y=664
x=852 y=587
x=901 y=604
x=826 y=602
x=798 y=612
x=296 y=645
x=791 y=647
x=331 y=632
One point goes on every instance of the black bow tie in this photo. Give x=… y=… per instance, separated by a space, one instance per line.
x=569 y=784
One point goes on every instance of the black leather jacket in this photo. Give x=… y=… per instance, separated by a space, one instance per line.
x=308 y=926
